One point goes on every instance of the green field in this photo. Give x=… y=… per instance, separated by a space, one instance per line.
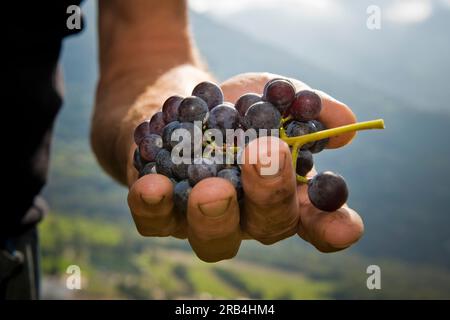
x=117 y=263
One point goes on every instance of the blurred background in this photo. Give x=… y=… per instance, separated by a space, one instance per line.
x=399 y=178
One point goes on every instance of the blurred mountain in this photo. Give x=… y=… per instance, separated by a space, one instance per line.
x=398 y=177
x=408 y=60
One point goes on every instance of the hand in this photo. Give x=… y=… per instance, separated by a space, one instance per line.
x=274 y=207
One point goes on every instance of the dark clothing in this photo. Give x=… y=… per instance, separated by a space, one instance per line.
x=19 y=267
x=34 y=32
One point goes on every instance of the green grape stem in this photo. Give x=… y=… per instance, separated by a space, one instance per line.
x=297 y=142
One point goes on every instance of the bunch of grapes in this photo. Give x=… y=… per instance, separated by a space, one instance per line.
x=198 y=119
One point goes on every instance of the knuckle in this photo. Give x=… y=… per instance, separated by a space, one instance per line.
x=146 y=231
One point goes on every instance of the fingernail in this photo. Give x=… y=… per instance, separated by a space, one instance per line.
x=271 y=169
x=215 y=209
x=152 y=200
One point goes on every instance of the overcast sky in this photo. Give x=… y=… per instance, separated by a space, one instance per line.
x=400 y=11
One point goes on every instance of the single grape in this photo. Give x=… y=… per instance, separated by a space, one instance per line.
x=245 y=101
x=150 y=146
x=174 y=182
x=181 y=193
x=141 y=131
x=195 y=134
x=200 y=171
x=319 y=125
x=223 y=117
x=298 y=128
x=277 y=79
x=327 y=191
x=280 y=93
x=319 y=145
x=234 y=176
x=164 y=163
x=221 y=166
x=157 y=123
x=167 y=134
x=210 y=93
x=192 y=109
x=262 y=115
x=149 y=168
x=180 y=171
x=170 y=108
x=137 y=161
x=306 y=106
x=187 y=133
x=305 y=162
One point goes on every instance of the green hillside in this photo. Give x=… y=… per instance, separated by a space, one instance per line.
x=117 y=263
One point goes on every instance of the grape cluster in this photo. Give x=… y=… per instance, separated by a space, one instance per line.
x=292 y=114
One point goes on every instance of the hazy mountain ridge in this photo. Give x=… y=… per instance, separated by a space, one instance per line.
x=406 y=60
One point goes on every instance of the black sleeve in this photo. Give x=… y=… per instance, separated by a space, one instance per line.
x=33 y=37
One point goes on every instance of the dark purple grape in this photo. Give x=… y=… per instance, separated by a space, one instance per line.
x=200 y=171
x=262 y=115
x=150 y=146
x=137 y=161
x=221 y=166
x=277 y=79
x=164 y=163
x=189 y=134
x=181 y=193
x=170 y=108
x=327 y=191
x=210 y=93
x=157 y=123
x=180 y=171
x=195 y=134
x=306 y=106
x=280 y=93
x=305 y=162
x=149 y=168
x=223 y=117
x=319 y=125
x=319 y=145
x=298 y=128
x=141 y=131
x=283 y=109
x=192 y=109
x=167 y=134
x=245 y=101
x=174 y=182
x=234 y=176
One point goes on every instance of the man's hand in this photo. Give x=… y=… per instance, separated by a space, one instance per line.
x=146 y=55
x=274 y=207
